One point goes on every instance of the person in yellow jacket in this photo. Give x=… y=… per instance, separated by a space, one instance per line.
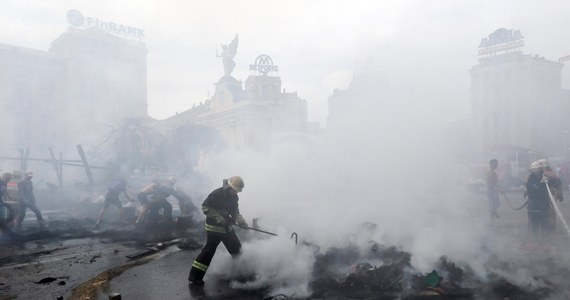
x=222 y=213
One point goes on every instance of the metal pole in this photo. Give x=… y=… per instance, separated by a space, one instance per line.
x=262 y=231
x=60 y=168
x=25 y=161
x=21 y=159
x=40 y=159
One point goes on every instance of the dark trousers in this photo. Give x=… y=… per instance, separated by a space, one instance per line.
x=32 y=206
x=200 y=265
x=155 y=206
x=538 y=222
x=4 y=219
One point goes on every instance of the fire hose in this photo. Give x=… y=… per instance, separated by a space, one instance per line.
x=511 y=205
x=553 y=205
x=558 y=210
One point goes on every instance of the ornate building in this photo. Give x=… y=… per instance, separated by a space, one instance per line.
x=250 y=117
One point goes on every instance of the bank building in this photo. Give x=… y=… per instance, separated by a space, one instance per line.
x=90 y=78
x=253 y=116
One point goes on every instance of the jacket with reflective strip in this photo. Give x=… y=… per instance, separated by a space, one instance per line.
x=220 y=202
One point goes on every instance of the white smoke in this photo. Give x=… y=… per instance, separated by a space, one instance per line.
x=276 y=263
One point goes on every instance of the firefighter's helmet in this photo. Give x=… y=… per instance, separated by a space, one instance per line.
x=236 y=183
x=539 y=164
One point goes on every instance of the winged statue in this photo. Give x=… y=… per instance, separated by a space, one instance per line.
x=228 y=53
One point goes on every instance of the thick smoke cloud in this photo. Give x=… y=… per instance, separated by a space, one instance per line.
x=378 y=167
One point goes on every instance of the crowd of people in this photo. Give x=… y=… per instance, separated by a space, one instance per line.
x=220 y=207
x=17 y=196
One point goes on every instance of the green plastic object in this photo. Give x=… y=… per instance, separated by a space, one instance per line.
x=432 y=279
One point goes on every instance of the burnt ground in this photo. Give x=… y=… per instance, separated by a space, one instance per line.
x=54 y=263
x=73 y=260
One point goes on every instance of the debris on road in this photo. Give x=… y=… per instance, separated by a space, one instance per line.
x=153 y=249
x=47 y=280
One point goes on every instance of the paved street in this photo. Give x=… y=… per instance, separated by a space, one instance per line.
x=94 y=266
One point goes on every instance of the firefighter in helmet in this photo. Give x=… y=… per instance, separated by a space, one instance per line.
x=222 y=213
x=539 y=206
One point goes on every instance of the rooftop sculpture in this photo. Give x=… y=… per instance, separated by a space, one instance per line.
x=228 y=54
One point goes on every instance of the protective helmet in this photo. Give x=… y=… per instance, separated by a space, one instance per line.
x=236 y=183
x=539 y=164
x=29 y=174
x=17 y=174
x=544 y=163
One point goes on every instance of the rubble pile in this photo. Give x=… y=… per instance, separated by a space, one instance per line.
x=386 y=273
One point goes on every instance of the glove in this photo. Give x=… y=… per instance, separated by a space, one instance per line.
x=243 y=225
x=221 y=220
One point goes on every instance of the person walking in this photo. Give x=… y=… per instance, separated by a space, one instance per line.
x=28 y=200
x=112 y=198
x=222 y=213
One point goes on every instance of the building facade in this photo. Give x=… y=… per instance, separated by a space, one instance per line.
x=247 y=117
x=517 y=99
x=359 y=103
x=73 y=93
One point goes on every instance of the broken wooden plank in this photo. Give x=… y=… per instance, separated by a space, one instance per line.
x=56 y=167
x=85 y=165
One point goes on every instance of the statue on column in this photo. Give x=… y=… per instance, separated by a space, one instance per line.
x=228 y=54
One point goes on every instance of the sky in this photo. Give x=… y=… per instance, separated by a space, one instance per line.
x=426 y=48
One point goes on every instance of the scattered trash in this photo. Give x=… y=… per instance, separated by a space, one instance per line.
x=47 y=280
x=94 y=258
x=115 y=296
x=432 y=280
x=153 y=249
x=61 y=283
x=141 y=254
x=189 y=244
x=277 y=297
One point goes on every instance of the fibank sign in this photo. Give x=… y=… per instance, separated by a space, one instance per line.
x=76 y=19
x=263 y=64
x=501 y=40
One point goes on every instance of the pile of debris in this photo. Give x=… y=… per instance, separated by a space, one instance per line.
x=386 y=273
